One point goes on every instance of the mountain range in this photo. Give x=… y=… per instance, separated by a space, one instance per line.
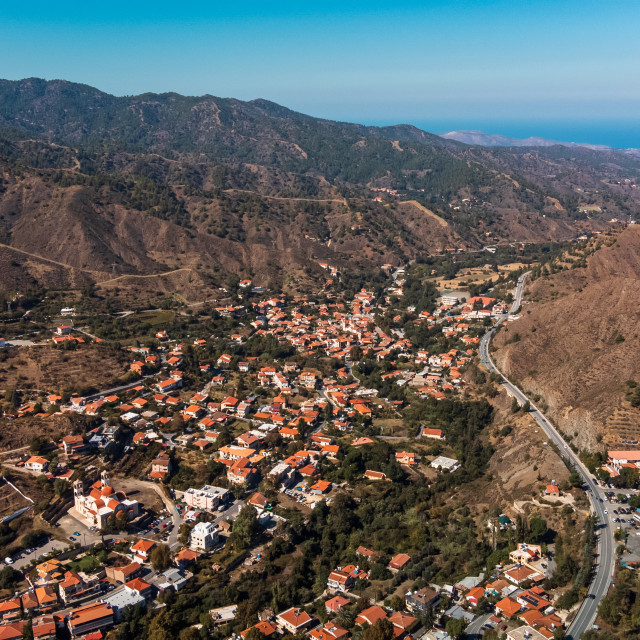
x=96 y=188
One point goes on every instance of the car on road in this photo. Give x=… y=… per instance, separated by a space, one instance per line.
x=72 y=539
x=606 y=513
x=75 y=533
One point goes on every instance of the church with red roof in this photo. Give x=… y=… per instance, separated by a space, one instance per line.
x=102 y=502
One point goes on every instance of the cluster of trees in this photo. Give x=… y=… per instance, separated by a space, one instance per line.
x=419 y=293
x=621 y=606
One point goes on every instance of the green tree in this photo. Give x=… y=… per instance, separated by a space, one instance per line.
x=381 y=630
x=455 y=628
x=8 y=578
x=60 y=486
x=161 y=626
x=27 y=630
x=36 y=445
x=185 y=532
x=161 y=558
x=244 y=527
x=253 y=634
x=575 y=478
x=537 y=529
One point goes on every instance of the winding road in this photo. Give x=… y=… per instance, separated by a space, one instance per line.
x=605 y=561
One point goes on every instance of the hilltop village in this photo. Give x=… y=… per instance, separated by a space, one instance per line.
x=287 y=476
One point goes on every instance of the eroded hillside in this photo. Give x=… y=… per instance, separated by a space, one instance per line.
x=577 y=342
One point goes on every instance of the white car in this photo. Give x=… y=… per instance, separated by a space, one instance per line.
x=606 y=512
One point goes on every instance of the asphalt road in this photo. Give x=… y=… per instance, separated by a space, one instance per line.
x=605 y=562
x=475 y=628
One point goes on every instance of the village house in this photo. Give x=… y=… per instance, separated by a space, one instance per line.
x=37 y=464
x=525 y=554
x=525 y=633
x=294 y=620
x=507 y=607
x=406 y=457
x=371 y=615
x=336 y=604
x=126 y=573
x=204 y=536
x=442 y=463
x=161 y=466
x=76 y=586
x=340 y=581
x=73 y=445
x=398 y=562
x=422 y=600
x=141 y=550
x=91 y=617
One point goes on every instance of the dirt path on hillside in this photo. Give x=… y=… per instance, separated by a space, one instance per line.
x=94 y=272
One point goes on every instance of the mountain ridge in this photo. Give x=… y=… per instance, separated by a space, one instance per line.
x=256 y=189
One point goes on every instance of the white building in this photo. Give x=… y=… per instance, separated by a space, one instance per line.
x=444 y=463
x=452 y=299
x=102 y=502
x=525 y=633
x=204 y=536
x=36 y=463
x=207 y=498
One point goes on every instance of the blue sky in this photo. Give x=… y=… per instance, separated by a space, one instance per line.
x=444 y=63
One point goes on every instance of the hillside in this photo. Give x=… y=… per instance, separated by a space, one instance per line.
x=577 y=343
x=94 y=187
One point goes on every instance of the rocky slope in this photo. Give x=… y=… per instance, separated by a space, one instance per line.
x=577 y=342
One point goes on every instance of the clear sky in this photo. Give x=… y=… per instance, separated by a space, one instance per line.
x=449 y=64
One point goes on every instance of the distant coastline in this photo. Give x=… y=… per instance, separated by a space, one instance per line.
x=614 y=134
x=617 y=134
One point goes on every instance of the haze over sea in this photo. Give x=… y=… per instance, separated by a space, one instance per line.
x=619 y=134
